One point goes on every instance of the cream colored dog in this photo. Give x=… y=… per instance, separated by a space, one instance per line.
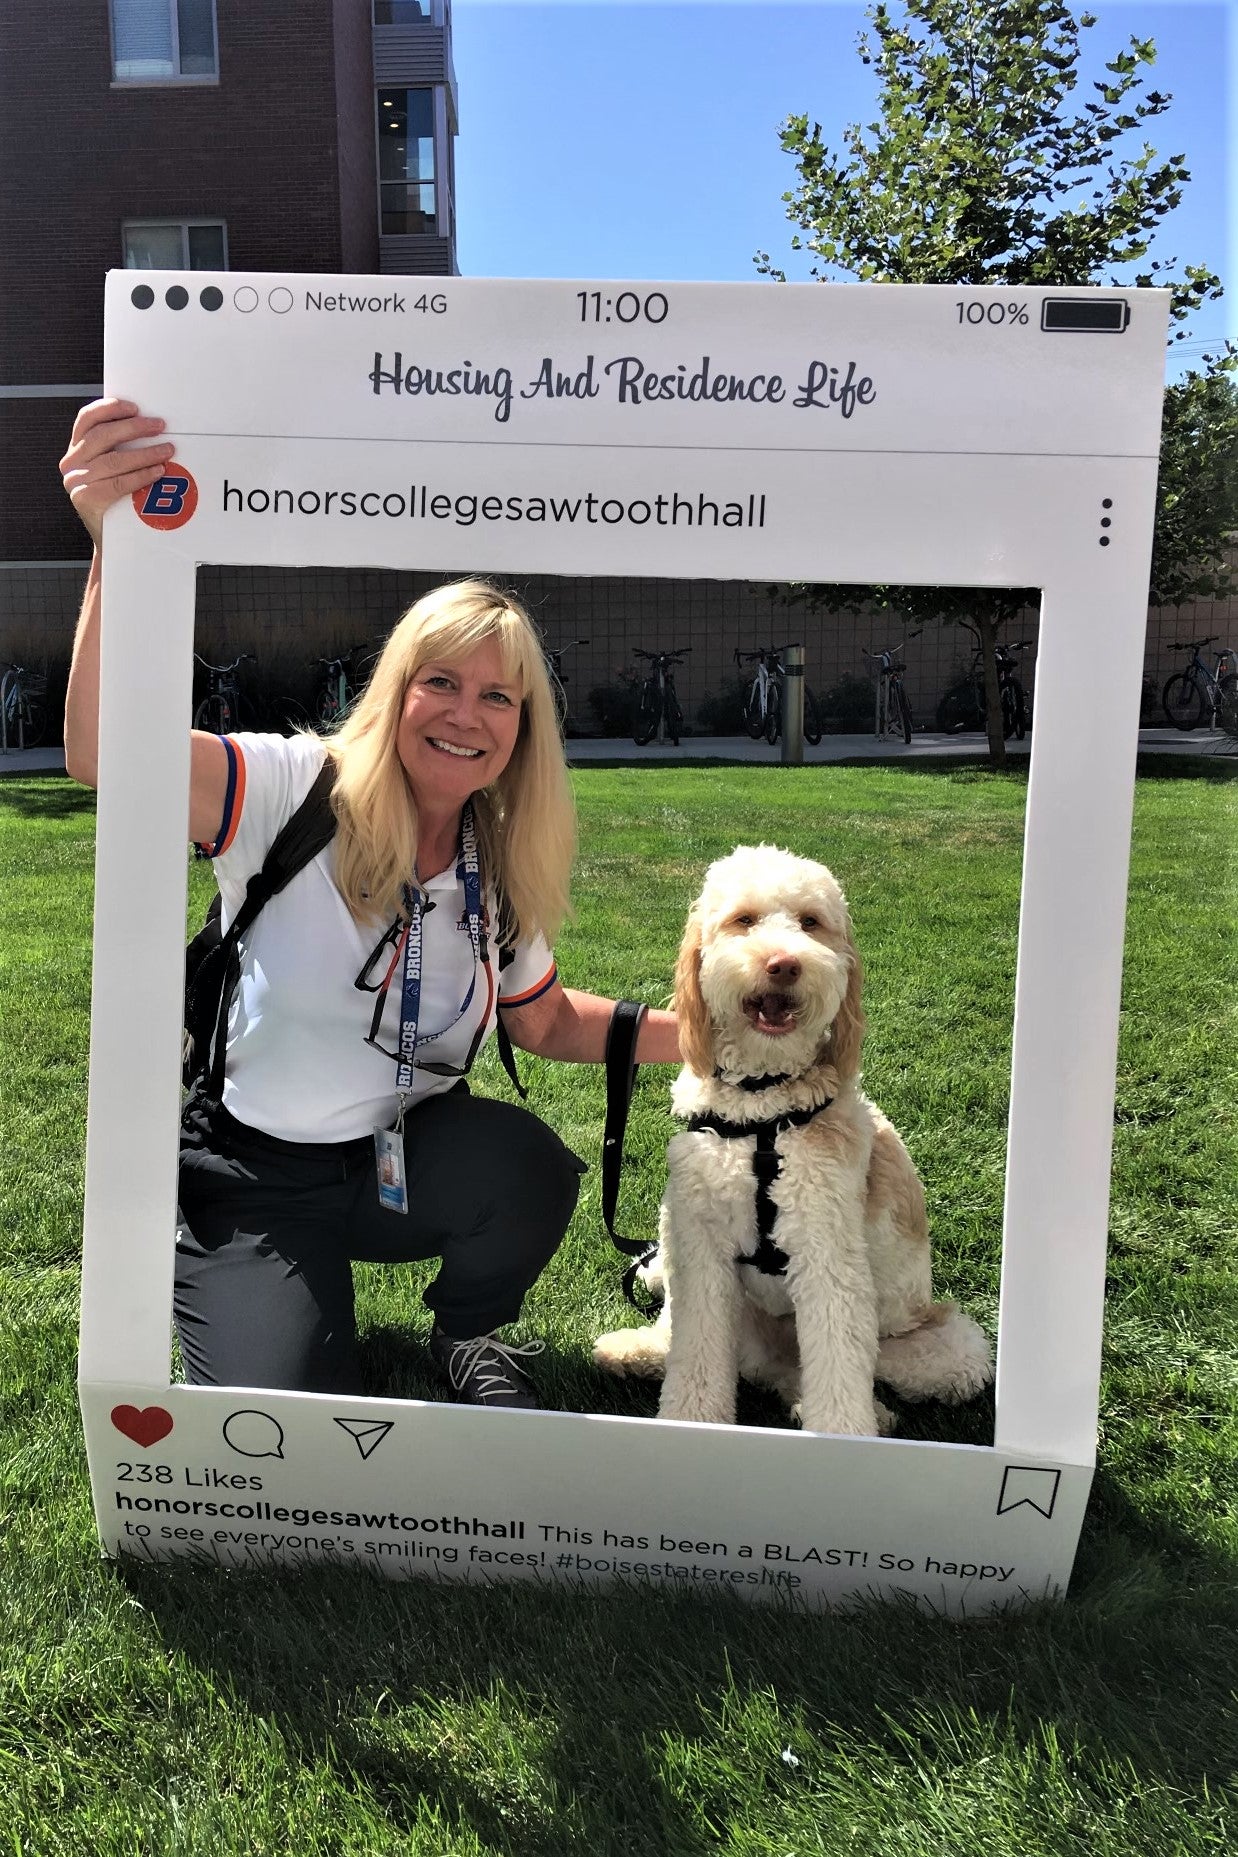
x=838 y=1292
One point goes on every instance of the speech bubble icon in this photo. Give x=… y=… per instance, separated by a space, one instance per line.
x=1030 y=1486
x=254 y=1434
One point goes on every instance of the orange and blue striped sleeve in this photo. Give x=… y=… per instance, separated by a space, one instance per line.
x=234 y=800
x=528 y=994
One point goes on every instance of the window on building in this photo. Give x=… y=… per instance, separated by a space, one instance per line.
x=406 y=160
x=401 y=12
x=161 y=39
x=175 y=245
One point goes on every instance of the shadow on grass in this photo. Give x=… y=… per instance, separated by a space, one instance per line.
x=395 y=1365
x=1215 y=768
x=961 y=766
x=947 y=766
x=633 y=1714
x=44 y=796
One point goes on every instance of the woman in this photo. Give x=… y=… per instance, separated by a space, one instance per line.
x=344 y=1130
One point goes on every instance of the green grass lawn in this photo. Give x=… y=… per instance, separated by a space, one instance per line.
x=177 y=1710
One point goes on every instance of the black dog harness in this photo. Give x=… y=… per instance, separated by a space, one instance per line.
x=766 y=1161
x=768 y=1257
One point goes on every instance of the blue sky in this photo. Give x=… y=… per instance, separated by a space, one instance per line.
x=641 y=141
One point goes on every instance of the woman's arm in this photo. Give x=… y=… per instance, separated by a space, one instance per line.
x=97 y=473
x=572 y=1027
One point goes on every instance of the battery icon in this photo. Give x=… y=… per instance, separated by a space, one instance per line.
x=1086 y=315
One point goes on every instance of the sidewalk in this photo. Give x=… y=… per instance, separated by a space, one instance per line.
x=1200 y=744
x=32 y=761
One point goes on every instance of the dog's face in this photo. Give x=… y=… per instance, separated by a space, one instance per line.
x=768 y=977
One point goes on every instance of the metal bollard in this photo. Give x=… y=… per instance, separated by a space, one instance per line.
x=793 y=706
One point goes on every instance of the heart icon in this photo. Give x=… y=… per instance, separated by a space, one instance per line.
x=145 y=1426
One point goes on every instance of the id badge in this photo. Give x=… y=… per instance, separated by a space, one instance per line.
x=389 y=1166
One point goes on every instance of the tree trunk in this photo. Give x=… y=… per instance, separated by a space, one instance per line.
x=987 y=626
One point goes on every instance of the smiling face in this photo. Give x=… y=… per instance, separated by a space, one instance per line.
x=458 y=727
x=776 y=957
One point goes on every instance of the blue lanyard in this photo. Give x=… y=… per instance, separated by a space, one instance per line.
x=469 y=870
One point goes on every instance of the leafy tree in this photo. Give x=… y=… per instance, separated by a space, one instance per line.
x=981 y=169
x=1197 y=494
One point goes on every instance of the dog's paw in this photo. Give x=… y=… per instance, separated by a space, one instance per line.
x=880 y=1425
x=947 y=1358
x=636 y=1352
x=966 y=1383
x=696 y=1406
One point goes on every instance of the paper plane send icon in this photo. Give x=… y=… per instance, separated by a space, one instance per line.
x=366 y=1434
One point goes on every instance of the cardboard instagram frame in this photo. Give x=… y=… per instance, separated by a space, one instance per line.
x=850 y=433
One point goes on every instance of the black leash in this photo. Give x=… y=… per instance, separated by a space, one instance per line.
x=621 y=1068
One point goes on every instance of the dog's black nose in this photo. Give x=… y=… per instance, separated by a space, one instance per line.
x=783 y=967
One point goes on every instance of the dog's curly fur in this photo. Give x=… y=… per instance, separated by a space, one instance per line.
x=768 y=984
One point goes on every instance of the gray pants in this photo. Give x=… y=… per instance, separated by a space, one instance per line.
x=269 y=1231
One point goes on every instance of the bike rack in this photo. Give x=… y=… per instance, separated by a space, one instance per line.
x=881 y=693
x=4 y=717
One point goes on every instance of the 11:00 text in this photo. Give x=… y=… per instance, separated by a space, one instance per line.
x=626 y=307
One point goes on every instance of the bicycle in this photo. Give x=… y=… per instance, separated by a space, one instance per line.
x=658 y=706
x=23 y=708
x=285 y=715
x=763 y=703
x=554 y=669
x=892 y=711
x=222 y=709
x=1186 y=692
x=339 y=688
x=963 y=705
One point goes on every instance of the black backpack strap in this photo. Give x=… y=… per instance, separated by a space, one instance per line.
x=296 y=844
x=507 y=955
x=621 y=1067
x=508 y=1055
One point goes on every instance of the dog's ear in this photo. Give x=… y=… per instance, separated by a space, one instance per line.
x=847 y=1031
x=695 y=1035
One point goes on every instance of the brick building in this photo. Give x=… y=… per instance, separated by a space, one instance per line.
x=294 y=135
x=311 y=135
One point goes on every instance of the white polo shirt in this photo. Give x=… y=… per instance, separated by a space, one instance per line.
x=297 y=1064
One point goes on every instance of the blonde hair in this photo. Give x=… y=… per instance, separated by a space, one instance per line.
x=526 y=821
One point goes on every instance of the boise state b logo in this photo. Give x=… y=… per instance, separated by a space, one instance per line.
x=170 y=501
